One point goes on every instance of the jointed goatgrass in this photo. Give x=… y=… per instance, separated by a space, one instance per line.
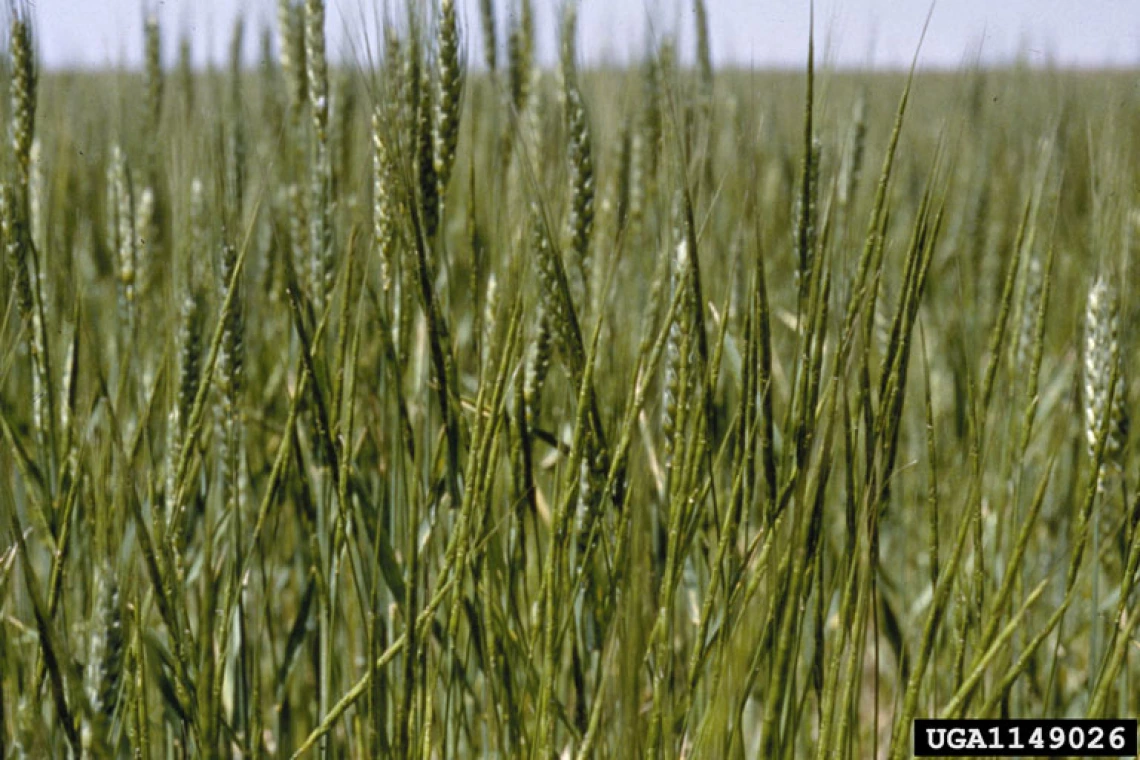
x=528 y=413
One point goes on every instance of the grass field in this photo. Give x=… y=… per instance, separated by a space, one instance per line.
x=438 y=407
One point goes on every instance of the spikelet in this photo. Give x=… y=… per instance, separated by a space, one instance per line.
x=321 y=270
x=567 y=51
x=146 y=240
x=173 y=454
x=19 y=254
x=588 y=491
x=230 y=359
x=580 y=166
x=425 y=152
x=235 y=134
x=656 y=303
x=196 y=245
x=272 y=245
x=653 y=107
x=1027 y=327
x=520 y=71
x=383 y=216
x=556 y=295
x=1101 y=360
x=67 y=388
x=320 y=173
x=16 y=238
x=291 y=46
x=23 y=88
x=676 y=353
x=188 y=347
x=25 y=720
x=111 y=220
x=580 y=163
x=450 y=92
x=152 y=75
x=121 y=232
x=104 y=674
x=267 y=76
x=408 y=81
x=36 y=200
x=230 y=371
x=490 y=45
x=186 y=74
x=490 y=304
x=617 y=204
x=704 y=50
x=37 y=242
x=394 y=105
x=551 y=318
x=189 y=343
x=804 y=233
x=316 y=66
x=851 y=169
x=531 y=128
x=298 y=233
x=520 y=57
x=638 y=175
x=403 y=312
x=234 y=172
x=17 y=220
x=537 y=366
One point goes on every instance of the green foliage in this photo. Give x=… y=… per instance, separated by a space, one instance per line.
x=436 y=411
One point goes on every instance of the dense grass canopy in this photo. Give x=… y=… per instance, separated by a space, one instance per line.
x=424 y=409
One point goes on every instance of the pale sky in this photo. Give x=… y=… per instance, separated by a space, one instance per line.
x=744 y=32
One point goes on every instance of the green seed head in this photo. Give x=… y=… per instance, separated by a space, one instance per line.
x=317 y=67
x=580 y=222
x=449 y=95
x=23 y=84
x=382 y=200
x=1102 y=360
x=153 y=72
x=291 y=43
